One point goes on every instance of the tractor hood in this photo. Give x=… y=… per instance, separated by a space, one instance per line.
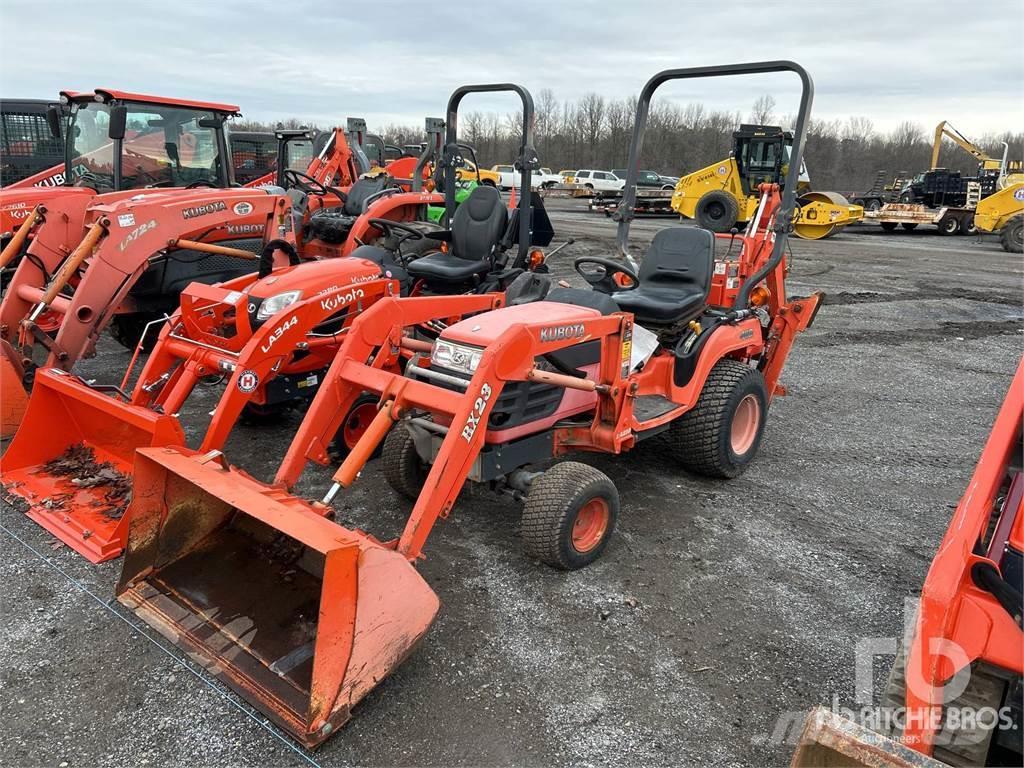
x=314 y=277
x=481 y=330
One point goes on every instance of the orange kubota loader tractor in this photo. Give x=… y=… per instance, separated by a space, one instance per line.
x=139 y=253
x=272 y=335
x=955 y=691
x=689 y=348
x=115 y=143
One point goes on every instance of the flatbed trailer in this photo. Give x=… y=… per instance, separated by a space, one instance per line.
x=949 y=220
x=649 y=202
x=568 y=190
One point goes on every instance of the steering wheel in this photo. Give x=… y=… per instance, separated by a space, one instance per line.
x=88 y=179
x=389 y=228
x=306 y=183
x=601 y=276
x=201 y=183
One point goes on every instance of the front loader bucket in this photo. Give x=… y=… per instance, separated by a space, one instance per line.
x=72 y=458
x=830 y=740
x=13 y=398
x=300 y=616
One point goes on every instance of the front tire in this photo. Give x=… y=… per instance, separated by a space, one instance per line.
x=264 y=415
x=569 y=515
x=358 y=418
x=128 y=329
x=721 y=434
x=404 y=470
x=1011 y=236
x=909 y=226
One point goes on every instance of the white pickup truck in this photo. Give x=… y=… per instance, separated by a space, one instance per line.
x=601 y=181
x=510 y=177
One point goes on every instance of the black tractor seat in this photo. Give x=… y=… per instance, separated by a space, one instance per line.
x=478 y=226
x=332 y=225
x=675 y=278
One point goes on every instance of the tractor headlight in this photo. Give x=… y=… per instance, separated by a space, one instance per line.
x=276 y=303
x=455 y=357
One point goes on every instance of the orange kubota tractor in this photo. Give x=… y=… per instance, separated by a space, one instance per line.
x=690 y=347
x=955 y=691
x=272 y=335
x=139 y=253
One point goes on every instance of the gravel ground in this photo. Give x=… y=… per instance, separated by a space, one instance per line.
x=718 y=608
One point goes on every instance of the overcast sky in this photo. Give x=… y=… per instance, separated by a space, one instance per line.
x=396 y=62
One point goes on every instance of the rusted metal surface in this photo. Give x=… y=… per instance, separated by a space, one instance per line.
x=301 y=616
x=829 y=741
x=905 y=213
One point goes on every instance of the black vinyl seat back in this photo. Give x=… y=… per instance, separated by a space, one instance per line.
x=479 y=224
x=478 y=227
x=359 y=192
x=675 y=277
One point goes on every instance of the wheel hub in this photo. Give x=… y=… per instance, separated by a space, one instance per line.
x=589 y=527
x=745 y=422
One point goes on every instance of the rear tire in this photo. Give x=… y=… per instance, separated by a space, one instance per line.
x=1011 y=236
x=873 y=205
x=949 y=225
x=404 y=470
x=717 y=211
x=569 y=515
x=888 y=226
x=128 y=329
x=909 y=226
x=720 y=436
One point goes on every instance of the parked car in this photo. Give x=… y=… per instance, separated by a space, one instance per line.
x=648 y=179
x=540 y=179
x=601 y=181
x=468 y=172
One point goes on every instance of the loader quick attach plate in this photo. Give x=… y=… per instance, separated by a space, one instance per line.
x=299 y=615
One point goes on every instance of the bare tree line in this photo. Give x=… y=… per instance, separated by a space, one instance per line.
x=593 y=132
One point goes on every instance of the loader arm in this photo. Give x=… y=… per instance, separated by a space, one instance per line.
x=125 y=254
x=378 y=328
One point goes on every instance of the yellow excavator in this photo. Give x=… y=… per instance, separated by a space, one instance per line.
x=1008 y=172
x=724 y=195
